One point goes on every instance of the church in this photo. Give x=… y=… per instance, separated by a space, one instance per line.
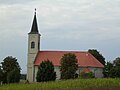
x=86 y=62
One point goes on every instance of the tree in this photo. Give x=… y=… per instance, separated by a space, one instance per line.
x=116 y=62
x=46 y=72
x=13 y=76
x=115 y=72
x=1 y=74
x=11 y=70
x=107 y=69
x=112 y=70
x=97 y=55
x=69 y=66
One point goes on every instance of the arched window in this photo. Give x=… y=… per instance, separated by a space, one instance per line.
x=32 y=44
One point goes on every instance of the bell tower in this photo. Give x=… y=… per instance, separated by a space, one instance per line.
x=33 y=48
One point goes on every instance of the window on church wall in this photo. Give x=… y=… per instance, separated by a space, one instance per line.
x=32 y=44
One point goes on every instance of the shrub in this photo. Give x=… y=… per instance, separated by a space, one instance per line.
x=87 y=75
x=46 y=72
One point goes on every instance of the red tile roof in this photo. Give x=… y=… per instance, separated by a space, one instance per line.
x=85 y=59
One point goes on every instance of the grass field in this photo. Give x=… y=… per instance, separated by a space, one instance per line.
x=78 y=84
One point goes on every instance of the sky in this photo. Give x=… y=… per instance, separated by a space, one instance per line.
x=70 y=25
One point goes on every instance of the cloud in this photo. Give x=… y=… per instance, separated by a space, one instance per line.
x=89 y=23
x=12 y=2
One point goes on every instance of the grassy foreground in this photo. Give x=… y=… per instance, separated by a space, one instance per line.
x=78 y=84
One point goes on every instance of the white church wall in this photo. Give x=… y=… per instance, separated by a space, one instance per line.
x=36 y=70
x=57 y=70
x=97 y=71
x=30 y=68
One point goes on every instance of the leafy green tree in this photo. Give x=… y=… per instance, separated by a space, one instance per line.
x=116 y=62
x=112 y=70
x=115 y=72
x=13 y=76
x=69 y=66
x=11 y=70
x=1 y=74
x=107 y=69
x=46 y=72
x=97 y=55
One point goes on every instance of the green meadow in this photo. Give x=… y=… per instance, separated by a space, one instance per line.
x=77 y=84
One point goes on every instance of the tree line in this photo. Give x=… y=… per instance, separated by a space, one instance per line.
x=10 y=68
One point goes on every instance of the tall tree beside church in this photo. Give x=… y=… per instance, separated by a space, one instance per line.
x=107 y=69
x=69 y=66
x=11 y=70
x=112 y=70
x=115 y=71
x=1 y=74
x=97 y=55
x=46 y=72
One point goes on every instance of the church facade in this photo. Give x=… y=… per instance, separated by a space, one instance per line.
x=86 y=62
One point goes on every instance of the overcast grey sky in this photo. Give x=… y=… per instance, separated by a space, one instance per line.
x=64 y=25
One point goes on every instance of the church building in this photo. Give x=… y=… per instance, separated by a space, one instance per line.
x=86 y=62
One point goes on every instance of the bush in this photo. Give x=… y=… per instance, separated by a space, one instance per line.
x=46 y=72
x=87 y=75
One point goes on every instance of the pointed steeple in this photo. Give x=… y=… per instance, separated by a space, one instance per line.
x=34 y=29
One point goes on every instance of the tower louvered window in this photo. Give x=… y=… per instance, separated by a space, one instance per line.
x=32 y=44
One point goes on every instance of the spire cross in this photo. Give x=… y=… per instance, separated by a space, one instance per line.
x=35 y=11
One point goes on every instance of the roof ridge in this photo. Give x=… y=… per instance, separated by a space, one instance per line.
x=62 y=51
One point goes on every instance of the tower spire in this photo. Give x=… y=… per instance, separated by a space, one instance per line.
x=34 y=29
x=35 y=11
